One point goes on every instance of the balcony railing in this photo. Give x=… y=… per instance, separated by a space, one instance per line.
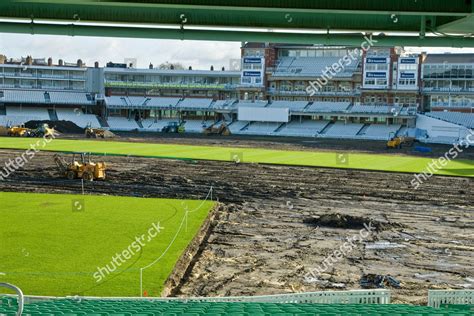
x=322 y=93
x=448 y=90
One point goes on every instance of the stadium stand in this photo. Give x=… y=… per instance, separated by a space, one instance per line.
x=375 y=109
x=70 y=98
x=23 y=96
x=343 y=130
x=162 y=102
x=78 y=117
x=302 y=129
x=195 y=103
x=463 y=119
x=196 y=126
x=260 y=128
x=379 y=132
x=236 y=126
x=223 y=104
x=20 y=115
x=295 y=106
x=121 y=123
x=150 y=125
x=327 y=107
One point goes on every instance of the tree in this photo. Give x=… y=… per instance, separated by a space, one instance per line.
x=168 y=66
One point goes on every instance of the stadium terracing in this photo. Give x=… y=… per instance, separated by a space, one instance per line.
x=273 y=90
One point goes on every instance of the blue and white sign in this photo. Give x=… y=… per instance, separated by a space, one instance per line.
x=253 y=71
x=252 y=60
x=407 y=75
x=376 y=75
x=408 y=61
x=376 y=60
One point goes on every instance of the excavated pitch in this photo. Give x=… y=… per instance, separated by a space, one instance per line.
x=270 y=234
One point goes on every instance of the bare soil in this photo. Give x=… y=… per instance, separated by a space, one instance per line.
x=279 y=222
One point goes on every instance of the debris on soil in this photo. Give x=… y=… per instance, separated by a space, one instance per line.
x=64 y=127
x=380 y=245
x=344 y=221
x=371 y=281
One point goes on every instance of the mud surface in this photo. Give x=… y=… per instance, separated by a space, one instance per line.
x=281 y=222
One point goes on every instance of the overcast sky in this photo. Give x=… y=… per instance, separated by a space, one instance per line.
x=198 y=54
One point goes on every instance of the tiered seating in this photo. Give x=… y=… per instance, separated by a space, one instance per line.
x=162 y=102
x=117 y=101
x=324 y=107
x=151 y=126
x=341 y=130
x=463 y=119
x=195 y=103
x=121 y=123
x=223 y=104
x=380 y=132
x=196 y=126
x=136 y=101
x=18 y=116
x=76 y=116
x=175 y=307
x=260 y=128
x=69 y=98
x=23 y=96
x=296 y=106
x=236 y=126
x=302 y=129
x=375 y=109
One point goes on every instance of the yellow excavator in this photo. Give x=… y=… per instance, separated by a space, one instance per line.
x=83 y=168
x=214 y=130
x=94 y=132
x=399 y=141
x=19 y=131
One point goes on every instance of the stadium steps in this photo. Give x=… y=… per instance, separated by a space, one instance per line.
x=149 y=307
x=53 y=116
x=308 y=106
x=139 y=123
x=326 y=128
x=283 y=125
x=103 y=122
x=402 y=131
x=363 y=130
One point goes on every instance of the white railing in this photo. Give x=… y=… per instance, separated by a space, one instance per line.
x=376 y=296
x=438 y=297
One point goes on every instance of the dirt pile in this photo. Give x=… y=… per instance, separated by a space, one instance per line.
x=64 y=127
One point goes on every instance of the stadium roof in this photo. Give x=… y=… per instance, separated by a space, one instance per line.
x=249 y=20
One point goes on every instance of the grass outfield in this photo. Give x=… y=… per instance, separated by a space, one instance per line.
x=378 y=162
x=50 y=247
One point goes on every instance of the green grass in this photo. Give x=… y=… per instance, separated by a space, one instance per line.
x=392 y=163
x=49 y=249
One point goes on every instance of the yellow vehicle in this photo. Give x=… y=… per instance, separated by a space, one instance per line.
x=221 y=130
x=44 y=131
x=81 y=169
x=19 y=131
x=94 y=132
x=398 y=142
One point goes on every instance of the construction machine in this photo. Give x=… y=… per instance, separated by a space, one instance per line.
x=94 y=132
x=214 y=130
x=399 y=141
x=44 y=131
x=173 y=127
x=19 y=131
x=82 y=168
